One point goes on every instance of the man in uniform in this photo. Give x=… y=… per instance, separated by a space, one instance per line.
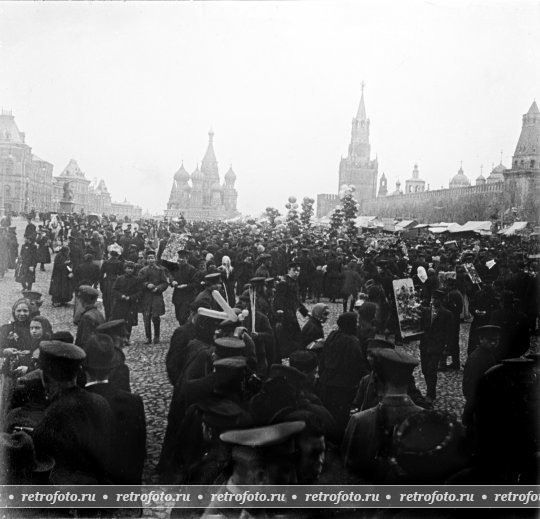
x=368 y=433
x=76 y=428
x=91 y=317
x=154 y=282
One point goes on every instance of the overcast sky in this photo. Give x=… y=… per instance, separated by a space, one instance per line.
x=131 y=89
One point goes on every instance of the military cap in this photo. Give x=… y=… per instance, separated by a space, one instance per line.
x=394 y=365
x=212 y=278
x=100 y=352
x=292 y=375
x=129 y=264
x=114 y=327
x=61 y=350
x=150 y=252
x=372 y=344
x=304 y=361
x=228 y=323
x=182 y=252
x=263 y=436
x=230 y=363
x=229 y=346
x=87 y=290
x=259 y=280
x=28 y=417
x=488 y=329
x=223 y=414
x=63 y=336
x=33 y=296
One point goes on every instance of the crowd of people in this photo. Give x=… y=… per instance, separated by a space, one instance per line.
x=256 y=397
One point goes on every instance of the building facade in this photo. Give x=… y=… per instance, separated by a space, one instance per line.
x=201 y=195
x=25 y=179
x=515 y=190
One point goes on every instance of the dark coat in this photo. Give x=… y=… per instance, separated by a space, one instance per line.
x=76 y=432
x=129 y=433
x=131 y=287
x=152 y=302
x=311 y=331
x=44 y=249
x=90 y=319
x=437 y=332
x=61 y=288
x=87 y=273
x=184 y=275
x=26 y=264
x=110 y=270
x=176 y=356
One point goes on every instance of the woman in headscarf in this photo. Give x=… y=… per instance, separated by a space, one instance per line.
x=40 y=330
x=228 y=276
x=61 y=288
x=342 y=366
x=15 y=336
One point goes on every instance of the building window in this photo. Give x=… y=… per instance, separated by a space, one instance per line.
x=8 y=191
x=532 y=163
x=9 y=167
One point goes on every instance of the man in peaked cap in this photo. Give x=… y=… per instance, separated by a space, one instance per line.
x=36 y=301
x=212 y=281
x=129 y=433
x=367 y=431
x=76 y=428
x=91 y=317
x=154 y=281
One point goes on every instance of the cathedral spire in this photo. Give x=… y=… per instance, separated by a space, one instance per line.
x=209 y=166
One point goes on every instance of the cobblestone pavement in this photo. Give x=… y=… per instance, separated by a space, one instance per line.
x=147 y=364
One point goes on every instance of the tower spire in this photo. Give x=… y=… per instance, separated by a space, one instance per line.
x=361 y=114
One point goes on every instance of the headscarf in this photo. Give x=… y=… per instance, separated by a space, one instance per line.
x=318 y=310
x=226 y=265
x=16 y=304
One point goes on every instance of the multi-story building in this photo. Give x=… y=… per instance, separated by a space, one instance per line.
x=25 y=179
x=201 y=196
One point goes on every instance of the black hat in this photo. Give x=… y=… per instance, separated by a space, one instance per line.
x=488 y=329
x=292 y=375
x=263 y=436
x=182 y=252
x=114 y=327
x=224 y=414
x=18 y=453
x=100 y=352
x=304 y=361
x=63 y=336
x=31 y=295
x=89 y=291
x=61 y=350
x=229 y=347
x=394 y=366
x=213 y=278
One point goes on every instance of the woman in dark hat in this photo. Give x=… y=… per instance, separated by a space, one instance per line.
x=25 y=273
x=126 y=291
x=61 y=287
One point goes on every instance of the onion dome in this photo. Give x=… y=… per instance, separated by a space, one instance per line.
x=181 y=175
x=480 y=181
x=460 y=180
x=230 y=176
